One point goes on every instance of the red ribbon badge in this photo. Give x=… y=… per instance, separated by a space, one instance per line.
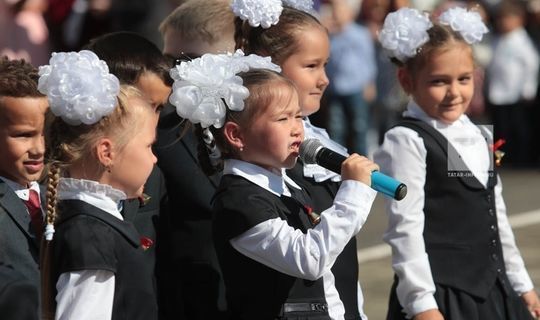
x=146 y=243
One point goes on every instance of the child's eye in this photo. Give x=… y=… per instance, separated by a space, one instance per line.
x=465 y=79
x=437 y=82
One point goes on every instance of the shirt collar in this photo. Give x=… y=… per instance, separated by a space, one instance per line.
x=274 y=182
x=22 y=191
x=99 y=195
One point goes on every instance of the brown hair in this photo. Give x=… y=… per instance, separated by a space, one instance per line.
x=205 y=20
x=18 y=79
x=441 y=38
x=262 y=85
x=69 y=144
x=279 y=41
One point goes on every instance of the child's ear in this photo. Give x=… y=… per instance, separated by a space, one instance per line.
x=405 y=80
x=233 y=135
x=105 y=152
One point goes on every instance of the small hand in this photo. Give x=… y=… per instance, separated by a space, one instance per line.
x=359 y=168
x=532 y=302
x=433 y=314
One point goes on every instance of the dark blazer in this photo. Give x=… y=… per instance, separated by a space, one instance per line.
x=146 y=216
x=195 y=284
x=18 y=295
x=18 y=246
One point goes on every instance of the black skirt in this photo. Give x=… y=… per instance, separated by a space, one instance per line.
x=502 y=303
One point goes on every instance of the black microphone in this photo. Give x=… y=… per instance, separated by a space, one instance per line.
x=313 y=152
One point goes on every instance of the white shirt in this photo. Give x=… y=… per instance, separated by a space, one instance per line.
x=403 y=156
x=318 y=173
x=311 y=255
x=87 y=294
x=513 y=71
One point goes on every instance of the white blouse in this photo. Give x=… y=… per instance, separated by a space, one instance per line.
x=87 y=294
x=406 y=217
x=275 y=244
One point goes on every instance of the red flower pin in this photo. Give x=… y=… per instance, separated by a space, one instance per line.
x=146 y=243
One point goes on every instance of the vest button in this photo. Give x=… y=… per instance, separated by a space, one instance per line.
x=493 y=242
x=495 y=257
x=499 y=270
x=493 y=227
x=488 y=198
x=491 y=212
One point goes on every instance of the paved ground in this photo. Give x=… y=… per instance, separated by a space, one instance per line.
x=522 y=195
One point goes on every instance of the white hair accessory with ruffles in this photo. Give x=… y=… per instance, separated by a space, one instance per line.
x=403 y=32
x=302 y=5
x=79 y=87
x=468 y=23
x=204 y=87
x=265 y=13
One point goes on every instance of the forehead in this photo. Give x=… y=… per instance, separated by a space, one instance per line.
x=284 y=98
x=312 y=42
x=451 y=59
x=20 y=110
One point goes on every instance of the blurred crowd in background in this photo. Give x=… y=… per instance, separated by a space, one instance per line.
x=363 y=99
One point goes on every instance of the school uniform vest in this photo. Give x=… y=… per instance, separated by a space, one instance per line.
x=254 y=290
x=461 y=233
x=345 y=269
x=88 y=238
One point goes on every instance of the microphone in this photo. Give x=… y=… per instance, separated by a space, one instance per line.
x=313 y=152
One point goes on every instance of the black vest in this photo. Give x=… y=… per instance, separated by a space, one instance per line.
x=88 y=238
x=345 y=269
x=254 y=290
x=460 y=232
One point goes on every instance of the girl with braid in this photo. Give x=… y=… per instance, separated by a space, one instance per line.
x=99 y=152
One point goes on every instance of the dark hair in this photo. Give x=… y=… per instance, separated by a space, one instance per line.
x=279 y=41
x=441 y=37
x=128 y=55
x=18 y=79
x=262 y=85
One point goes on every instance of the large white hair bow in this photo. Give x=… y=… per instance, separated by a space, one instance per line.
x=403 y=32
x=468 y=23
x=79 y=87
x=265 y=13
x=204 y=87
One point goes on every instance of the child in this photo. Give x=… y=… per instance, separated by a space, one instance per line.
x=299 y=44
x=198 y=292
x=100 y=152
x=22 y=148
x=18 y=295
x=197 y=27
x=276 y=261
x=453 y=251
x=136 y=61
x=512 y=83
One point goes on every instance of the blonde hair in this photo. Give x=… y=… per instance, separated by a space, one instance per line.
x=206 y=20
x=67 y=145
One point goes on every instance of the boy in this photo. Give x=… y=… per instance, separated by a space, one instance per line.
x=22 y=146
x=196 y=289
x=198 y=27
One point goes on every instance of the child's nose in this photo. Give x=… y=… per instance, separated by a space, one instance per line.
x=38 y=146
x=323 y=80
